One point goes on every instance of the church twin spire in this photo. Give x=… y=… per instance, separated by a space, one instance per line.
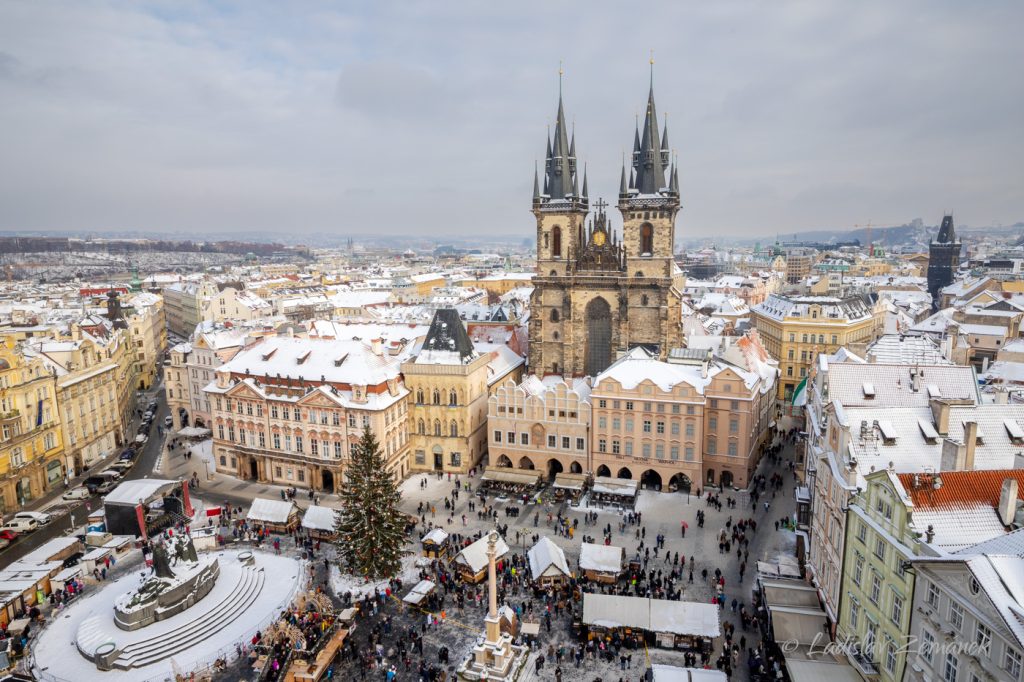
x=651 y=160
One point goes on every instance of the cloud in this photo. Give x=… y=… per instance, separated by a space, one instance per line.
x=427 y=118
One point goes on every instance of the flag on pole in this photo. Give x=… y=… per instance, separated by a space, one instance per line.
x=800 y=394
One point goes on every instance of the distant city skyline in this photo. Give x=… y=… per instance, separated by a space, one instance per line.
x=393 y=119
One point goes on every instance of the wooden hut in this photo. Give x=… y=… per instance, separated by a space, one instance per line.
x=435 y=544
x=602 y=563
x=471 y=562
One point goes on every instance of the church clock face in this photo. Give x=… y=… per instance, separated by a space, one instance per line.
x=599 y=238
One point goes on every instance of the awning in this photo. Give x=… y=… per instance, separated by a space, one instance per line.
x=802 y=625
x=570 y=481
x=815 y=671
x=508 y=475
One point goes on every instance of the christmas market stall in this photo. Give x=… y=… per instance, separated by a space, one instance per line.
x=547 y=564
x=471 y=562
x=435 y=544
x=507 y=482
x=321 y=522
x=642 y=621
x=601 y=563
x=419 y=594
x=568 y=486
x=613 y=493
x=279 y=516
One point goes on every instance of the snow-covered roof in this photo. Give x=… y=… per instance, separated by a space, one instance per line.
x=320 y=518
x=547 y=559
x=437 y=536
x=138 y=491
x=271 y=511
x=475 y=555
x=601 y=558
x=639 y=365
x=653 y=615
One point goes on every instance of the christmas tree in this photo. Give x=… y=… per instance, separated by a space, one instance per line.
x=371 y=530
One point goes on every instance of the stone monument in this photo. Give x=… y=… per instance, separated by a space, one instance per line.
x=495 y=658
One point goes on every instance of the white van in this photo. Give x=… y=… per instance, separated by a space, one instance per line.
x=41 y=518
x=20 y=525
x=113 y=473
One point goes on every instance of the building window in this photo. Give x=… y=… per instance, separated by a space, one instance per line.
x=732 y=448
x=602 y=445
x=689 y=429
x=646 y=449
x=337 y=450
x=524 y=438
x=277 y=441
x=616 y=446
x=932 y=595
x=688 y=453
x=646 y=239
x=263 y=440
x=675 y=428
x=456 y=459
x=897 y=609
x=602 y=422
x=880 y=548
x=949 y=668
x=565 y=442
x=421 y=457
x=298 y=443
x=647 y=426
x=351 y=420
x=552 y=441
x=858 y=568
x=690 y=409
x=956 y=615
x=983 y=637
x=713 y=423
x=927 y=645
x=581 y=444
x=617 y=424
x=876 y=587
x=302 y=475
x=629 y=448
x=1012 y=662
x=659 y=451
x=223 y=460
x=277 y=472
x=660 y=427
x=602 y=403
x=629 y=425
x=854 y=613
x=712 y=446
x=314 y=447
x=890 y=655
x=734 y=425
x=862 y=532
x=629 y=404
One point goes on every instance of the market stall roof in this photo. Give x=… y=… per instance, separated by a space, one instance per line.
x=814 y=671
x=140 y=491
x=194 y=432
x=475 y=555
x=653 y=615
x=419 y=592
x=508 y=475
x=614 y=486
x=438 y=536
x=601 y=558
x=271 y=511
x=789 y=593
x=547 y=559
x=320 y=518
x=570 y=481
x=782 y=567
x=671 y=673
x=798 y=624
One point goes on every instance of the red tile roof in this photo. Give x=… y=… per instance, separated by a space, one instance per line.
x=960 y=487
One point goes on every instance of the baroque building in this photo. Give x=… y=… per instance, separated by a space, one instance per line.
x=596 y=294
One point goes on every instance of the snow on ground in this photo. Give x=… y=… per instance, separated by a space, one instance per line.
x=57 y=656
x=343 y=583
x=204 y=450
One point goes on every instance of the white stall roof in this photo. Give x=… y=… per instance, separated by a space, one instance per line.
x=654 y=615
x=475 y=556
x=437 y=536
x=138 y=491
x=420 y=592
x=547 y=559
x=614 y=486
x=320 y=518
x=270 y=511
x=50 y=548
x=601 y=558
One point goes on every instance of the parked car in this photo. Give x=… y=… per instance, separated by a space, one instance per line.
x=121 y=467
x=41 y=518
x=129 y=454
x=79 y=493
x=118 y=475
x=8 y=534
x=21 y=525
x=168 y=421
x=100 y=484
x=141 y=439
x=4 y=543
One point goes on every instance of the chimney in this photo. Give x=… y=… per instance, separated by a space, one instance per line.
x=954 y=455
x=915 y=380
x=970 y=443
x=376 y=346
x=929 y=534
x=940 y=415
x=1008 y=501
x=1002 y=397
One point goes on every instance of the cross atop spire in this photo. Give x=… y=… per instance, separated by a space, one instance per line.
x=560 y=174
x=650 y=156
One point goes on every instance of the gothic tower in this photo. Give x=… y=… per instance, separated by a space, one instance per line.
x=943 y=259
x=595 y=295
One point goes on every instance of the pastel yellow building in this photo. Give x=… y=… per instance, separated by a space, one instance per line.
x=31 y=448
x=794 y=329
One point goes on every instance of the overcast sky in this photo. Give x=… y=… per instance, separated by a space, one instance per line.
x=401 y=118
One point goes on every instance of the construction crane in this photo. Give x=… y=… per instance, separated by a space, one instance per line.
x=867 y=238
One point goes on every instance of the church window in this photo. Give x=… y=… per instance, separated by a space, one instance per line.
x=437 y=427
x=554 y=315
x=646 y=239
x=453 y=429
x=437 y=397
x=555 y=336
x=422 y=429
x=556 y=242
x=643 y=300
x=453 y=398
x=419 y=396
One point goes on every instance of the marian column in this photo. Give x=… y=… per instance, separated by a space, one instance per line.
x=493 y=624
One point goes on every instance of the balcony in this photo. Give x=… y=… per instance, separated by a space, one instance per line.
x=11 y=416
x=864 y=665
